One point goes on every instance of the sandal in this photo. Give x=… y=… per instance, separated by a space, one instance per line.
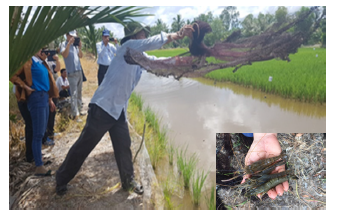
x=135 y=187
x=138 y=189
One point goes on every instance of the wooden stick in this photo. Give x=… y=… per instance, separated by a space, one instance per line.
x=142 y=140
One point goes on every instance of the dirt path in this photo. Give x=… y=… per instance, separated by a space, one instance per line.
x=97 y=184
x=94 y=187
x=306 y=157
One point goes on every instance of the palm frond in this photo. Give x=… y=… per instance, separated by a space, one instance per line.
x=48 y=23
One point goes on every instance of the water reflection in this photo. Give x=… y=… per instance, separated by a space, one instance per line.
x=301 y=108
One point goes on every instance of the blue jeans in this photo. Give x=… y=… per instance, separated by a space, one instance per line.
x=38 y=107
x=22 y=106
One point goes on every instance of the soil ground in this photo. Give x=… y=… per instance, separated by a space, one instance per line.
x=306 y=157
x=97 y=184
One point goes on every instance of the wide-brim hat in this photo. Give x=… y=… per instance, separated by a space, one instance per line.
x=133 y=28
x=73 y=33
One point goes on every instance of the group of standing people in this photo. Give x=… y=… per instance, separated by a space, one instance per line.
x=38 y=88
x=108 y=106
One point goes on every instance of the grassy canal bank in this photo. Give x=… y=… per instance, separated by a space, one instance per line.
x=187 y=180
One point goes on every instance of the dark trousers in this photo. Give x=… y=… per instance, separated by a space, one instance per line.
x=22 y=106
x=64 y=93
x=97 y=124
x=50 y=126
x=101 y=72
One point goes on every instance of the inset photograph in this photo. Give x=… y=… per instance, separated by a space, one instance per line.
x=271 y=171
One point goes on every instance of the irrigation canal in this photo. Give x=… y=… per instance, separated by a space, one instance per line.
x=194 y=110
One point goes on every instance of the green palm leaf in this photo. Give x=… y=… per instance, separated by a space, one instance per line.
x=49 y=23
x=92 y=38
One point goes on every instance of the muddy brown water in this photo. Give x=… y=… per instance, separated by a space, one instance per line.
x=195 y=109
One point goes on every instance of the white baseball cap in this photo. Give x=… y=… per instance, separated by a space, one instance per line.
x=73 y=33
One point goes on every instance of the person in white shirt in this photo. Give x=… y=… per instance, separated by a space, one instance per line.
x=105 y=51
x=63 y=84
x=72 y=52
x=108 y=108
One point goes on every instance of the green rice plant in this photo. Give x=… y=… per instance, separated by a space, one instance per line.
x=162 y=138
x=167 y=52
x=155 y=137
x=211 y=202
x=303 y=78
x=171 y=152
x=137 y=100
x=197 y=185
x=156 y=145
x=151 y=118
x=180 y=161
x=167 y=192
x=186 y=166
x=189 y=169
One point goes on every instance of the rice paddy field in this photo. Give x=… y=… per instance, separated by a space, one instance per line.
x=303 y=78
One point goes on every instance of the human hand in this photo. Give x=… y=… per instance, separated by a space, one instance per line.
x=52 y=105
x=186 y=30
x=71 y=41
x=266 y=145
x=28 y=89
x=55 y=57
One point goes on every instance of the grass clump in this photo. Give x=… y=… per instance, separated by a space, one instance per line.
x=211 y=202
x=186 y=166
x=170 y=152
x=167 y=192
x=136 y=100
x=197 y=185
x=155 y=136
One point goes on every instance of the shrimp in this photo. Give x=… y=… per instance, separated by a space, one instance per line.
x=270 y=168
x=261 y=164
x=254 y=181
x=268 y=185
x=265 y=178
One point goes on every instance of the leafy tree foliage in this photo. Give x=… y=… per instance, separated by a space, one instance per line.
x=249 y=26
x=281 y=15
x=219 y=32
x=177 y=23
x=229 y=17
x=158 y=27
x=323 y=36
x=208 y=18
